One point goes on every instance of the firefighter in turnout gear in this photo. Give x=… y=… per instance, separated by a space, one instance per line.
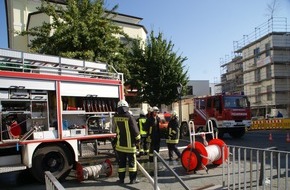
x=143 y=148
x=173 y=136
x=152 y=127
x=127 y=137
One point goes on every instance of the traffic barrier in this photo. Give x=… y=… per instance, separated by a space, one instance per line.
x=83 y=173
x=270 y=124
x=198 y=155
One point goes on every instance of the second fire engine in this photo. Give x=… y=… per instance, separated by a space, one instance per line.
x=229 y=113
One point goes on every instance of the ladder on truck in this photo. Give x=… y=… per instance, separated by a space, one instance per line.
x=12 y=60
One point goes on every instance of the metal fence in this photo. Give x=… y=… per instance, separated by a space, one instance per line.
x=253 y=168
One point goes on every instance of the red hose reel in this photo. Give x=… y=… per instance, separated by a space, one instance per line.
x=198 y=155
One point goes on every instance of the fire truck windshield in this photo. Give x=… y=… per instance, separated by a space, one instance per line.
x=235 y=102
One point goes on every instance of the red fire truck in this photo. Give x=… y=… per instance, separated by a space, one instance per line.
x=49 y=107
x=229 y=114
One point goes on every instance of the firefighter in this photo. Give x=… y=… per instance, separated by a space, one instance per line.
x=152 y=126
x=143 y=147
x=172 y=138
x=128 y=136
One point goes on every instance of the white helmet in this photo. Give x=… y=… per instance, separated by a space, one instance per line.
x=122 y=103
x=155 y=109
x=173 y=113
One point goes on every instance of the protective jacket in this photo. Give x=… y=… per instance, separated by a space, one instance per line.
x=141 y=125
x=128 y=134
x=153 y=130
x=173 y=131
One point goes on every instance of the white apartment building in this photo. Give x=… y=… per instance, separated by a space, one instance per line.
x=22 y=15
x=263 y=61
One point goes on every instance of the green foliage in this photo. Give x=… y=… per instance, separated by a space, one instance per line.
x=83 y=30
x=156 y=70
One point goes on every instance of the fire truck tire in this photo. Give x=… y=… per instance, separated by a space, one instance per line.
x=184 y=130
x=53 y=158
x=237 y=133
x=220 y=134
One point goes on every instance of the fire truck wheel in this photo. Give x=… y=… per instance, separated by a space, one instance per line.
x=220 y=135
x=51 y=158
x=237 y=133
x=184 y=130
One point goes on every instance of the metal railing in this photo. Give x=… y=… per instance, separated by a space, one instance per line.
x=253 y=168
x=17 y=61
x=157 y=156
x=146 y=174
x=51 y=183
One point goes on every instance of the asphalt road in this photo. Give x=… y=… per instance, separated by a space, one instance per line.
x=258 y=139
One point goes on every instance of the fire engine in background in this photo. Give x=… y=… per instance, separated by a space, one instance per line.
x=49 y=107
x=229 y=113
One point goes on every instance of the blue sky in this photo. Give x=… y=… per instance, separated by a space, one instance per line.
x=202 y=30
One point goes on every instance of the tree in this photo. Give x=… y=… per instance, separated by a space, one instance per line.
x=156 y=70
x=272 y=8
x=83 y=30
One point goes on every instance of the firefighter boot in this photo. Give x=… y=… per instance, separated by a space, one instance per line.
x=133 y=177
x=121 y=177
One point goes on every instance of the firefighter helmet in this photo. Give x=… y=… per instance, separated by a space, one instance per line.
x=173 y=113
x=155 y=109
x=122 y=103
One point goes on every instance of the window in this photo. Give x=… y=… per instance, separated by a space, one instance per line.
x=235 y=102
x=217 y=102
x=208 y=103
x=257 y=75
x=258 y=94
x=256 y=55
x=269 y=92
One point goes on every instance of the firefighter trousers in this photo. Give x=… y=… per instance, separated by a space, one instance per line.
x=173 y=148
x=153 y=146
x=123 y=157
x=143 y=149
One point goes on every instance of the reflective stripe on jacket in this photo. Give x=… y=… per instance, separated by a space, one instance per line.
x=127 y=133
x=141 y=124
x=173 y=132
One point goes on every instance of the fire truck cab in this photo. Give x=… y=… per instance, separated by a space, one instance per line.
x=49 y=106
x=229 y=113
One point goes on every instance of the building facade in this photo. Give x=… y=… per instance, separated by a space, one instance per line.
x=23 y=14
x=261 y=69
x=232 y=76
